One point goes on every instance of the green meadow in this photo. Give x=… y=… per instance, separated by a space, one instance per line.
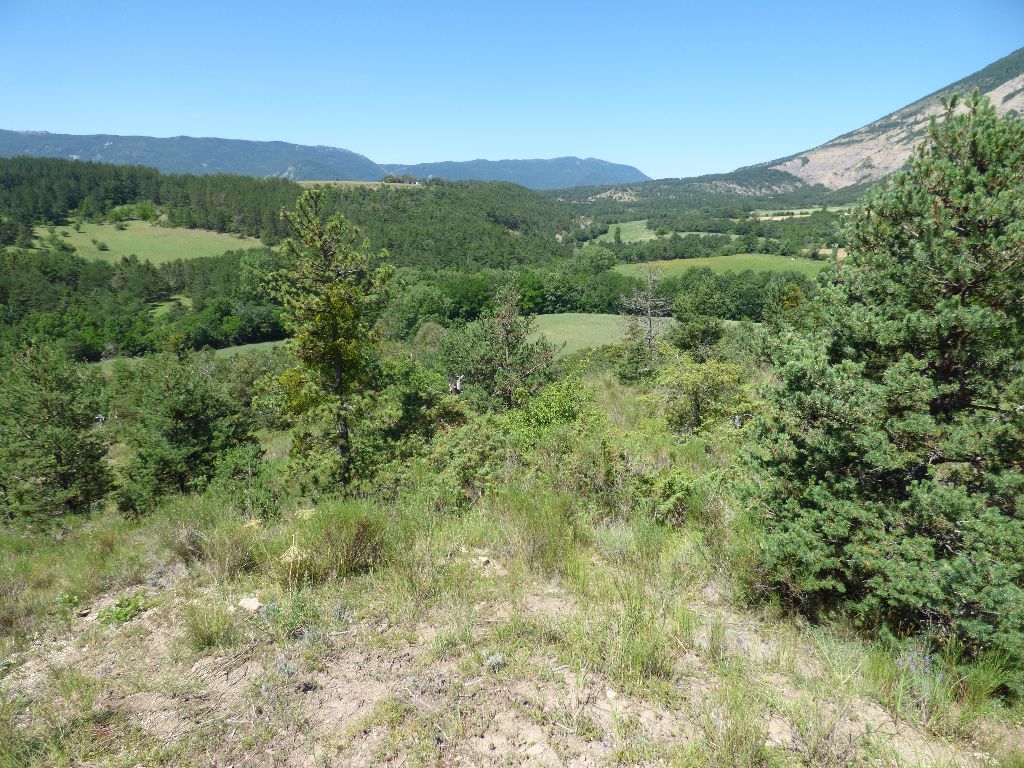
x=578 y=330
x=148 y=241
x=759 y=262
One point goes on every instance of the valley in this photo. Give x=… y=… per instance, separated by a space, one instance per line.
x=307 y=460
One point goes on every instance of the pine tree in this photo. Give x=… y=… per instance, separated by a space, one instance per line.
x=51 y=460
x=896 y=455
x=332 y=290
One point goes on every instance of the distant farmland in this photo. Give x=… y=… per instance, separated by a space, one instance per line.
x=148 y=241
x=759 y=262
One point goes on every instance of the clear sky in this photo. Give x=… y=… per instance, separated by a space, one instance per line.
x=674 y=88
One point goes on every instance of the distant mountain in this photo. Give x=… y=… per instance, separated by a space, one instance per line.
x=185 y=154
x=881 y=147
x=557 y=173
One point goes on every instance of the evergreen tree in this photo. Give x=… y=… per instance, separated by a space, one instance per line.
x=502 y=365
x=51 y=460
x=332 y=291
x=179 y=420
x=896 y=456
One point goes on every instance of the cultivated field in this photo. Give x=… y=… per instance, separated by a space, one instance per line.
x=579 y=330
x=149 y=242
x=759 y=262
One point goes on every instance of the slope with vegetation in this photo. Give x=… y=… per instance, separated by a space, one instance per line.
x=790 y=543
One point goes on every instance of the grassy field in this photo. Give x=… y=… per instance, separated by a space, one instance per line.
x=779 y=214
x=579 y=331
x=759 y=262
x=157 y=244
x=258 y=347
x=632 y=232
x=637 y=232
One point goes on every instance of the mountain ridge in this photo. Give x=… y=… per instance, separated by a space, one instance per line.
x=301 y=162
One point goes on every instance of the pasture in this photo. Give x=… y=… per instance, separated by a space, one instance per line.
x=148 y=241
x=582 y=330
x=632 y=232
x=637 y=232
x=738 y=262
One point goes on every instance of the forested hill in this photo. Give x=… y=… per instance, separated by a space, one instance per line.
x=435 y=224
x=200 y=156
x=555 y=173
x=185 y=154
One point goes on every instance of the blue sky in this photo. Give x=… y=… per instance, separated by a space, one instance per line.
x=675 y=88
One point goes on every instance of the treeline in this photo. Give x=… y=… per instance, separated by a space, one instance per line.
x=97 y=309
x=820 y=226
x=746 y=295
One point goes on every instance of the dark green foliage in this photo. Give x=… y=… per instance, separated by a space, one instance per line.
x=454 y=224
x=179 y=419
x=51 y=460
x=896 y=453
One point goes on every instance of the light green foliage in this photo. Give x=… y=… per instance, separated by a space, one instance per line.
x=562 y=402
x=124 y=610
x=896 y=452
x=332 y=290
x=51 y=458
x=698 y=395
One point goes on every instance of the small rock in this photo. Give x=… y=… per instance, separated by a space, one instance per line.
x=251 y=604
x=610 y=693
x=83 y=612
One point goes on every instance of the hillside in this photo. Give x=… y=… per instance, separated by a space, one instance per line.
x=555 y=173
x=186 y=154
x=879 y=148
x=746 y=188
